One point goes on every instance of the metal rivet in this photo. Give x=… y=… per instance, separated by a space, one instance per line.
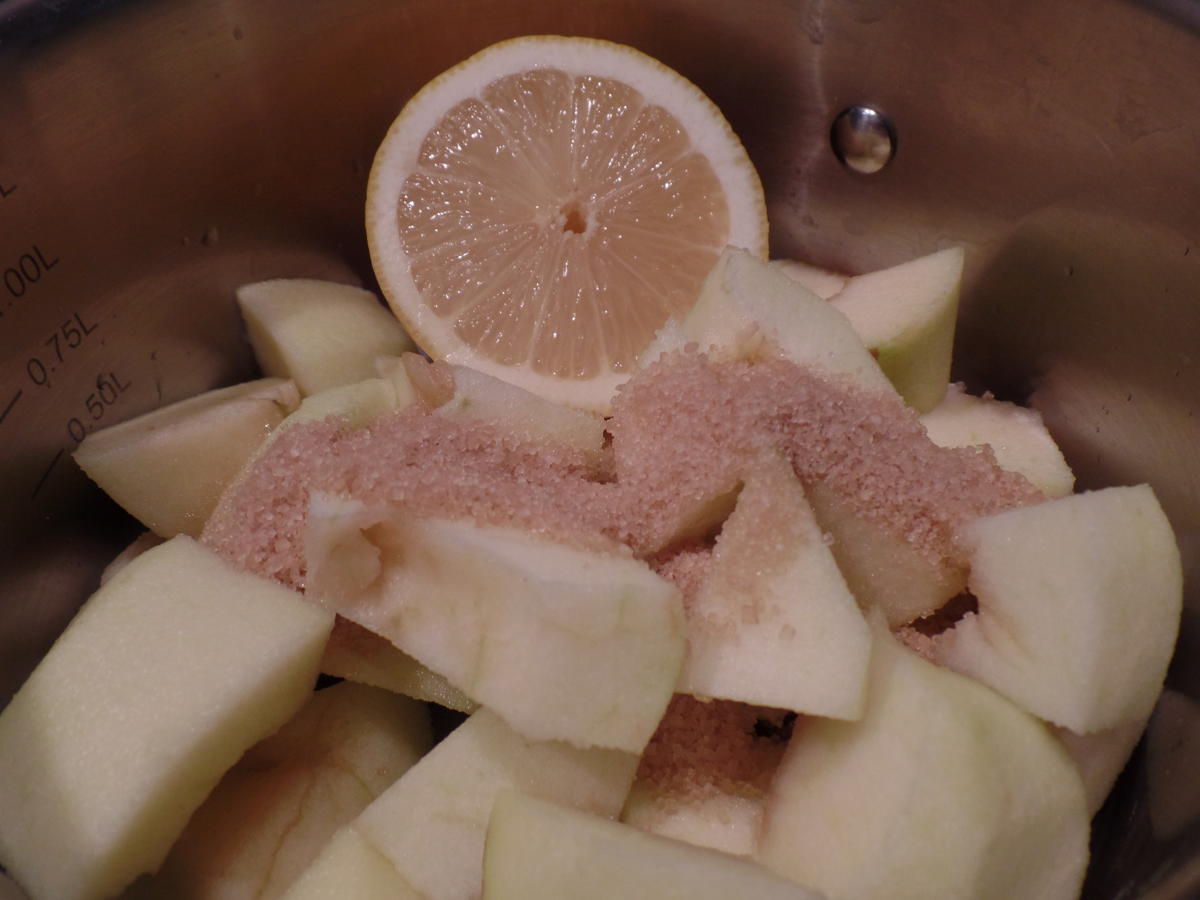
x=863 y=139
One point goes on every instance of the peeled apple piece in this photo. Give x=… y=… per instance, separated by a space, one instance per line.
x=1079 y=605
x=166 y=676
x=350 y=867
x=747 y=304
x=364 y=657
x=1017 y=436
x=905 y=315
x=318 y=333
x=943 y=789
x=883 y=570
x=520 y=413
x=431 y=824
x=284 y=799
x=822 y=282
x=720 y=820
x=563 y=643
x=774 y=623
x=537 y=850
x=168 y=468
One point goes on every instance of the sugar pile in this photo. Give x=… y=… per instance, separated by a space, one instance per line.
x=684 y=431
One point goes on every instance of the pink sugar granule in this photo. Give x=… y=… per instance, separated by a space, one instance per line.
x=684 y=430
x=704 y=747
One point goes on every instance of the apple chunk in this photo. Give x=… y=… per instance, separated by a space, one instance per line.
x=774 y=624
x=362 y=656
x=822 y=282
x=282 y=802
x=470 y=601
x=350 y=867
x=1079 y=604
x=905 y=315
x=168 y=467
x=518 y=412
x=1017 y=436
x=431 y=824
x=164 y=678
x=944 y=789
x=538 y=850
x=747 y=305
x=318 y=333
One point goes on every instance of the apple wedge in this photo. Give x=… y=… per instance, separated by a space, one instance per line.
x=822 y=282
x=431 y=824
x=538 y=850
x=284 y=799
x=773 y=623
x=358 y=403
x=167 y=468
x=164 y=678
x=359 y=655
x=318 y=333
x=905 y=315
x=944 y=789
x=470 y=601
x=719 y=820
x=1100 y=757
x=522 y=414
x=747 y=306
x=1017 y=436
x=350 y=867
x=1079 y=605
x=881 y=569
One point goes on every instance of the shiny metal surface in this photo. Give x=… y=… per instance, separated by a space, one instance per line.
x=153 y=155
x=863 y=139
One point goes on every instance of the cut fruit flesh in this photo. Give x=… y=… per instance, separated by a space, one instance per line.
x=943 y=789
x=469 y=601
x=1079 y=606
x=774 y=623
x=542 y=851
x=169 y=467
x=318 y=333
x=164 y=678
x=431 y=823
x=1017 y=436
x=538 y=211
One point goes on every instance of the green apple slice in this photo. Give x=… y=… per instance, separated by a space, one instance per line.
x=822 y=282
x=1100 y=756
x=470 y=601
x=167 y=468
x=883 y=570
x=774 y=623
x=164 y=678
x=719 y=820
x=431 y=824
x=359 y=655
x=538 y=850
x=283 y=801
x=905 y=315
x=318 y=333
x=1017 y=436
x=944 y=789
x=520 y=413
x=350 y=867
x=747 y=304
x=1079 y=605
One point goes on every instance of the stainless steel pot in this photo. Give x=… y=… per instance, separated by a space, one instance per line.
x=154 y=155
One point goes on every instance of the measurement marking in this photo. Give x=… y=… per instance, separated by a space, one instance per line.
x=11 y=404
x=46 y=474
x=7 y=191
